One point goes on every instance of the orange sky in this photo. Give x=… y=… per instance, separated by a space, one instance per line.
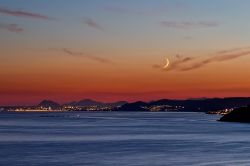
x=33 y=78
x=108 y=55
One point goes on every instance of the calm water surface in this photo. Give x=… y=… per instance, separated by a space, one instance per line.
x=119 y=138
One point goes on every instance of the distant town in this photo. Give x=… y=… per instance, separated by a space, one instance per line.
x=211 y=106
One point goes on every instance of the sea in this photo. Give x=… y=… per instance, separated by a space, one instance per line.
x=121 y=139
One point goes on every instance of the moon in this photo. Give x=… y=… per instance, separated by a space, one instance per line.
x=167 y=64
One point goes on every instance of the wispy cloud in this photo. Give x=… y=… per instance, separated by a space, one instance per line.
x=180 y=61
x=20 y=13
x=93 y=24
x=123 y=10
x=175 y=64
x=233 y=50
x=11 y=27
x=152 y=11
x=217 y=58
x=192 y=63
x=188 y=24
x=91 y=57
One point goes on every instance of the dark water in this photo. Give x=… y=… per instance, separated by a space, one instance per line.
x=119 y=138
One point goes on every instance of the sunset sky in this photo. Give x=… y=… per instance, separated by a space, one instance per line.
x=112 y=50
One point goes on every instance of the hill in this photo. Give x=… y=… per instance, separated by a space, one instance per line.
x=49 y=104
x=238 y=115
x=190 y=105
x=90 y=102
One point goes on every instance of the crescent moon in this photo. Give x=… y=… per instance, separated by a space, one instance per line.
x=167 y=64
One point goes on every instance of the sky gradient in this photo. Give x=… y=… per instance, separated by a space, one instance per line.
x=116 y=49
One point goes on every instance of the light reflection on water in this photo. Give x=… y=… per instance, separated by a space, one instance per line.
x=121 y=138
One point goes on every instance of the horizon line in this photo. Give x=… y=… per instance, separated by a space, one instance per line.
x=180 y=99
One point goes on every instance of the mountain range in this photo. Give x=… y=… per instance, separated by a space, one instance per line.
x=49 y=103
x=190 y=105
x=81 y=103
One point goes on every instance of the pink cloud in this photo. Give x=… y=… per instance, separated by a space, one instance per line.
x=11 y=27
x=91 y=57
x=93 y=24
x=122 y=10
x=152 y=11
x=20 y=13
x=192 y=63
x=188 y=24
x=175 y=64
x=233 y=50
x=217 y=58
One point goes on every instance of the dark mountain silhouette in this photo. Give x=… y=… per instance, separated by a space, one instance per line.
x=136 y=106
x=237 y=115
x=89 y=102
x=85 y=102
x=49 y=104
x=190 y=105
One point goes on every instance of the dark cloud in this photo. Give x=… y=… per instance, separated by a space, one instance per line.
x=233 y=50
x=91 y=57
x=11 y=27
x=181 y=61
x=93 y=24
x=157 y=66
x=217 y=58
x=20 y=13
x=123 y=10
x=188 y=24
x=152 y=11
x=175 y=64
x=230 y=56
x=192 y=63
